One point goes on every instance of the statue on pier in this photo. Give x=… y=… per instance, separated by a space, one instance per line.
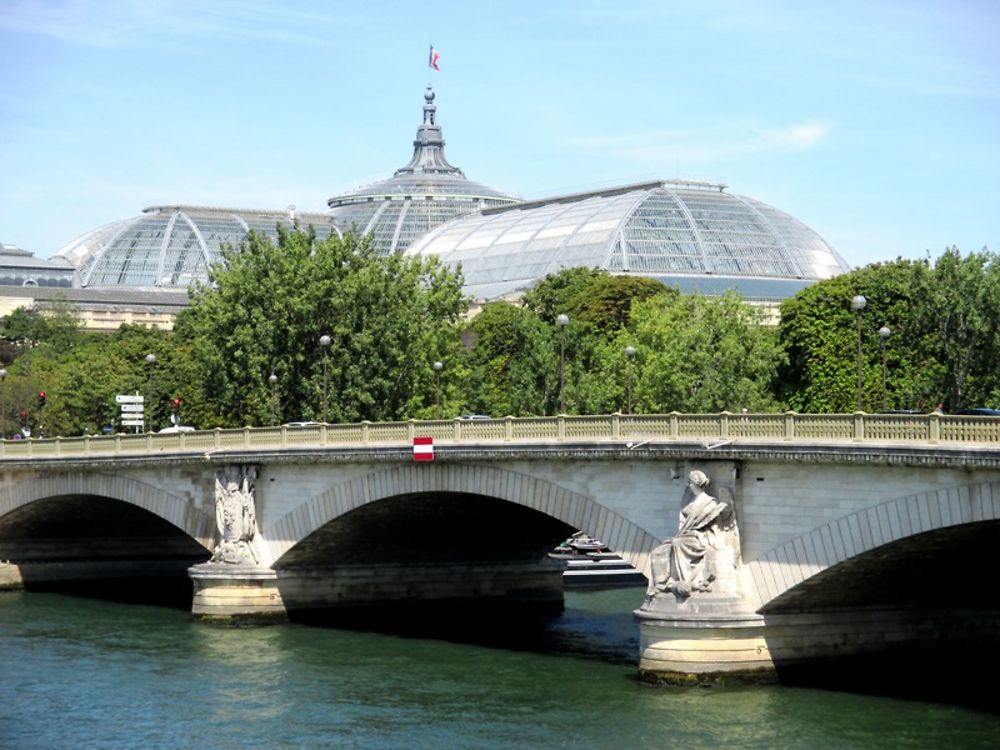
x=235 y=516
x=703 y=554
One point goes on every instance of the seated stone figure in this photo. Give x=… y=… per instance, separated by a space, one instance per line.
x=706 y=538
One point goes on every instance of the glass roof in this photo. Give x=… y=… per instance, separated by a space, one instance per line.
x=173 y=246
x=668 y=230
x=425 y=193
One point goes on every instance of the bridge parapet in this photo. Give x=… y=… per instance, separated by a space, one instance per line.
x=858 y=428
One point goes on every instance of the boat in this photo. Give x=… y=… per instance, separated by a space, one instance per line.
x=591 y=563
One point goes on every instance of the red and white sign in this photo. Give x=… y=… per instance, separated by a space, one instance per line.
x=423 y=449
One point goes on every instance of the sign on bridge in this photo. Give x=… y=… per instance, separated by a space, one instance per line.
x=423 y=449
x=133 y=412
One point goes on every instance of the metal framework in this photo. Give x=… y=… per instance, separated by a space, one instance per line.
x=174 y=246
x=678 y=231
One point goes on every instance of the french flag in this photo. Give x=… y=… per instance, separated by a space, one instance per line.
x=432 y=61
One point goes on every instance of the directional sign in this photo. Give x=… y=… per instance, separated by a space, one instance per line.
x=132 y=407
x=127 y=399
x=131 y=422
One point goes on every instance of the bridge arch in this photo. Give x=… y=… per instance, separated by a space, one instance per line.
x=578 y=510
x=799 y=559
x=174 y=509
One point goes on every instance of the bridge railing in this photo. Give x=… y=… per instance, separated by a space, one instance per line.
x=790 y=426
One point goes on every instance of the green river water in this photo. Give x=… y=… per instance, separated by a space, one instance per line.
x=83 y=673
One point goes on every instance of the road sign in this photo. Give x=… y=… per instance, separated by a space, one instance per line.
x=127 y=399
x=423 y=449
x=131 y=422
x=132 y=407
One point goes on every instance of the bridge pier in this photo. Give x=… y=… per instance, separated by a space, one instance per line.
x=700 y=640
x=236 y=593
x=246 y=593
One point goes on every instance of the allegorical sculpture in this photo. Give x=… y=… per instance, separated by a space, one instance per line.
x=235 y=516
x=703 y=554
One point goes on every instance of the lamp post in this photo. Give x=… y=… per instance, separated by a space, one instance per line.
x=273 y=380
x=148 y=408
x=3 y=405
x=438 y=366
x=883 y=334
x=324 y=343
x=563 y=321
x=629 y=356
x=858 y=303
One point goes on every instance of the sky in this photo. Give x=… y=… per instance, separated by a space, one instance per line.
x=874 y=122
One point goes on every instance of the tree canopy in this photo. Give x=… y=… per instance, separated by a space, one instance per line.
x=388 y=319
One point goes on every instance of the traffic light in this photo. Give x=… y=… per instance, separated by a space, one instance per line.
x=41 y=399
x=24 y=418
x=176 y=418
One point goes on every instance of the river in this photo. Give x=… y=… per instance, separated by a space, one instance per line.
x=84 y=673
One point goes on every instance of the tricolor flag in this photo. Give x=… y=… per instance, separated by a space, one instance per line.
x=432 y=61
x=423 y=449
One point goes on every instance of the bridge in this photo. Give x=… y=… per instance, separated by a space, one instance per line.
x=856 y=534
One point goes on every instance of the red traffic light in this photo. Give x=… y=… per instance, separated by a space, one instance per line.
x=177 y=403
x=41 y=398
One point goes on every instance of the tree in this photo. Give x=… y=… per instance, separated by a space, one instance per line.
x=514 y=363
x=702 y=354
x=943 y=346
x=388 y=319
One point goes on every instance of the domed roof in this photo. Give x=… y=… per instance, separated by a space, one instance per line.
x=694 y=235
x=418 y=197
x=173 y=246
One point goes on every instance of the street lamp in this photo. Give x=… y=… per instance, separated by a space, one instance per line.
x=563 y=321
x=324 y=343
x=148 y=410
x=3 y=405
x=883 y=333
x=273 y=380
x=438 y=366
x=629 y=356
x=858 y=303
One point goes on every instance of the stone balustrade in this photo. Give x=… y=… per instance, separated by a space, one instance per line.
x=855 y=428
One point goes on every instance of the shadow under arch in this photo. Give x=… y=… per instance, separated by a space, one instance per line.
x=959 y=517
x=574 y=509
x=173 y=509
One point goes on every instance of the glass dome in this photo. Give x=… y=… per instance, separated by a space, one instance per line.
x=173 y=246
x=693 y=235
x=420 y=196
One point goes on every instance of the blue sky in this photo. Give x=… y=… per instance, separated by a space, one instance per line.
x=875 y=123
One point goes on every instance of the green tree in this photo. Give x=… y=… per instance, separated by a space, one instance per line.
x=388 y=319
x=702 y=354
x=943 y=345
x=958 y=312
x=514 y=363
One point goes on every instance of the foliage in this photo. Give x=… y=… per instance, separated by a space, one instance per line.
x=514 y=363
x=942 y=347
x=388 y=319
x=703 y=354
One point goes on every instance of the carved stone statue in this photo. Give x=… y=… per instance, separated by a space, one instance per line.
x=704 y=552
x=235 y=516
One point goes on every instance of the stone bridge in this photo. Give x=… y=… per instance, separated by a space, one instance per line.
x=857 y=533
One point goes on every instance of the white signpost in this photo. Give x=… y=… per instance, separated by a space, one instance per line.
x=133 y=410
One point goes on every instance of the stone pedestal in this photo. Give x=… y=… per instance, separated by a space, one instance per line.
x=703 y=639
x=236 y=593
x=10 y=577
